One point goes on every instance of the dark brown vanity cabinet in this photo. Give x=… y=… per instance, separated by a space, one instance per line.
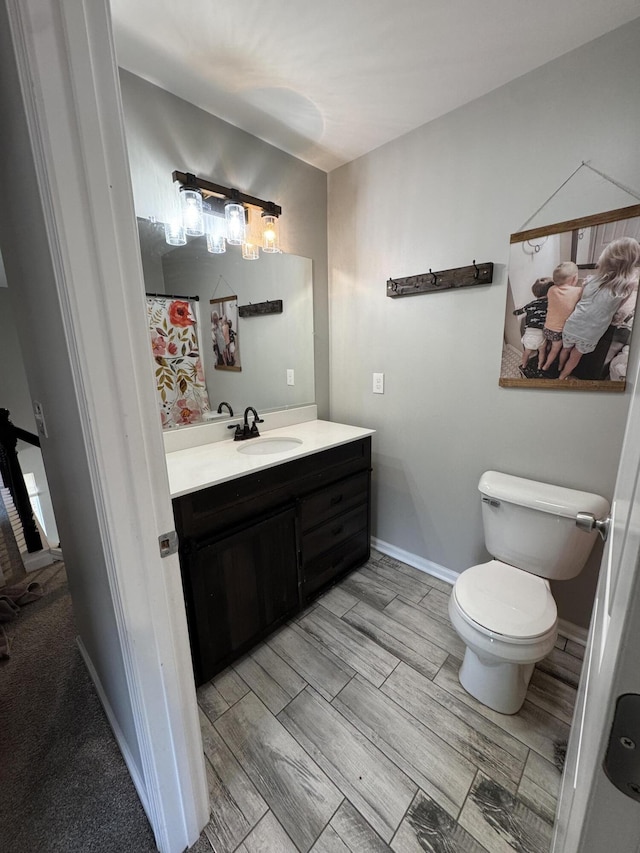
x=256 y=550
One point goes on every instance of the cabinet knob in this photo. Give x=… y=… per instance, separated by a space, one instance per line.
x=336 y=499
x=337 y=530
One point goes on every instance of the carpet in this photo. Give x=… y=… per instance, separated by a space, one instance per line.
x=64 y=785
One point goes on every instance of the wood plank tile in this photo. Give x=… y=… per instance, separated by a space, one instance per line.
x=561 y=642
x=350 y=645
x=479 y=741
x=429 y=827
x=355 y=832
x=423 y=578
x=552 y=695
x=563 y=666
x=296 y=790
x=320 y=668
x=420 y=581
x=437 y=604
x=540 y=786
x=501 y=822
x=420 y=621
x=368 y=590
x=329 y=842
x=430 y=760
x=237 y=806
x=230 y=686
x=421 y=654
x=338 y=600
x=394 y=580
x=269 y=837
x=575 y=649
x=211 y=701
x=373 y=784
x=532 y=725
x=272 y=679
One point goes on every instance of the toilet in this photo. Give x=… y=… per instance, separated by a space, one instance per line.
x=503 y=610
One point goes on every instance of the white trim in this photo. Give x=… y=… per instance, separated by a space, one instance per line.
x=420 y=563
x=115 y=728
x=573 y=632
x=566 y=629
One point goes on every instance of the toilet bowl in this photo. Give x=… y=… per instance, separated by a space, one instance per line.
x=508 y=621
x=503 y=609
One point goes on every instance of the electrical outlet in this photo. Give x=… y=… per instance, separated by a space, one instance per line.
x=378 y=383
x=290 y=377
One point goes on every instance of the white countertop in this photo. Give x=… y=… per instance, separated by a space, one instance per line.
x=210 y=464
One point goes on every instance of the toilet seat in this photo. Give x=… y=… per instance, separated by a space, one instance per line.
x=507 y=601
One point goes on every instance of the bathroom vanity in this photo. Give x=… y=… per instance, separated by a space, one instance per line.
x=262 y=531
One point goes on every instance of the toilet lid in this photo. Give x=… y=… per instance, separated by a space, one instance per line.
x=506 y=600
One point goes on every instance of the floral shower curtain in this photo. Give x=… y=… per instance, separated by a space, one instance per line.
x=182 y=393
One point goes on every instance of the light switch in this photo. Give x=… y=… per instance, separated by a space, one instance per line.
x=290 y=377
x=378 y=383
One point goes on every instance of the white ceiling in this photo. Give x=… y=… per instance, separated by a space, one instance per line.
x=330 y=80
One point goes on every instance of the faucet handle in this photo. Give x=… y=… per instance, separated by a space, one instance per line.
x=238 y=431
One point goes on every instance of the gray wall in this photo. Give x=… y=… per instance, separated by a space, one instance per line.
x=449 y=192
x=165 y=133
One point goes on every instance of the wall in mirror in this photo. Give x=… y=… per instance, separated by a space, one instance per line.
x=269 y=345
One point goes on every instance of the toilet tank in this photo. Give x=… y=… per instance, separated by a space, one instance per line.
x=532 y=525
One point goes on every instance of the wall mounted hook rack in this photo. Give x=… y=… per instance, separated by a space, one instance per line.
x=443 y=280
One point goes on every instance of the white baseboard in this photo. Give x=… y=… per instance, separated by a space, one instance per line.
x=566 y=629
x=420 y=563
x=573 y=632
x=34 y=560
x=117 y=731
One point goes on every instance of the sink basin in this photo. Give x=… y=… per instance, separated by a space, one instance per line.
x=265 y=446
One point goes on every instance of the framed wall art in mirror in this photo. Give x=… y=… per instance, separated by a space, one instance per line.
x=225 y=338
x=571 y=298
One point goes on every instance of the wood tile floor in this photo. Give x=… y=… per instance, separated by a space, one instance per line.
x=347 y=731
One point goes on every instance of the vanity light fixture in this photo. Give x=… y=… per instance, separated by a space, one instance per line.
x=222 y=214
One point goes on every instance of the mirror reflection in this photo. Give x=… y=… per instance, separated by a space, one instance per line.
x=271 y=354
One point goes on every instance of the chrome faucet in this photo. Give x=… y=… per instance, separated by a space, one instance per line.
x=228 y=407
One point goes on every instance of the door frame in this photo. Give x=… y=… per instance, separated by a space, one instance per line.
x=73 y=172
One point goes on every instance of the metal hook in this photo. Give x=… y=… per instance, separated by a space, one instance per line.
x=477 y=271
x=435 y=277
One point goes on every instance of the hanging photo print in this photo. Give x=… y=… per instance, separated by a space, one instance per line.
x=571 y=299
x=180 y=384
x=224 y=333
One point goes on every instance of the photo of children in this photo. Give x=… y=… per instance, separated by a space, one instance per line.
x=576 y=332
x=224 y=333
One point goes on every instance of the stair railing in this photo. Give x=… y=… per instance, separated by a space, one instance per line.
x=14 y=480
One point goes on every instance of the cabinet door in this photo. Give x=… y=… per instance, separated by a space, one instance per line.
x=238 y=587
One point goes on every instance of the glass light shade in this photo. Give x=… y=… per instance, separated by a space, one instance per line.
x=234 y=215
x=192 y=216
x=270 y=235
x=250 y=251
x=215 y=230
x=174 y=231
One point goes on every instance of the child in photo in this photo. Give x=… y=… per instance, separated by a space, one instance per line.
x=535 y=312
x=616 y=277
x=562 y=297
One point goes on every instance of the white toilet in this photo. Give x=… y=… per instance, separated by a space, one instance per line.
x=503 y=610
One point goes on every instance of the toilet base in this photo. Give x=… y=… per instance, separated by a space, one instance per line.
x=497 y=684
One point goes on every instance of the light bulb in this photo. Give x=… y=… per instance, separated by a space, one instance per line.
x=270 y=237
x=215 y=231
x=234 y=215
x=250 y=251
x=174 y=231
x=191 y=202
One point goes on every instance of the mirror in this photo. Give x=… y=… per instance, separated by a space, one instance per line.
x=270 y=345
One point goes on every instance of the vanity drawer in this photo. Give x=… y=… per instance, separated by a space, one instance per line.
x=333 y=564
x=336 y=499
x=333 y=532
